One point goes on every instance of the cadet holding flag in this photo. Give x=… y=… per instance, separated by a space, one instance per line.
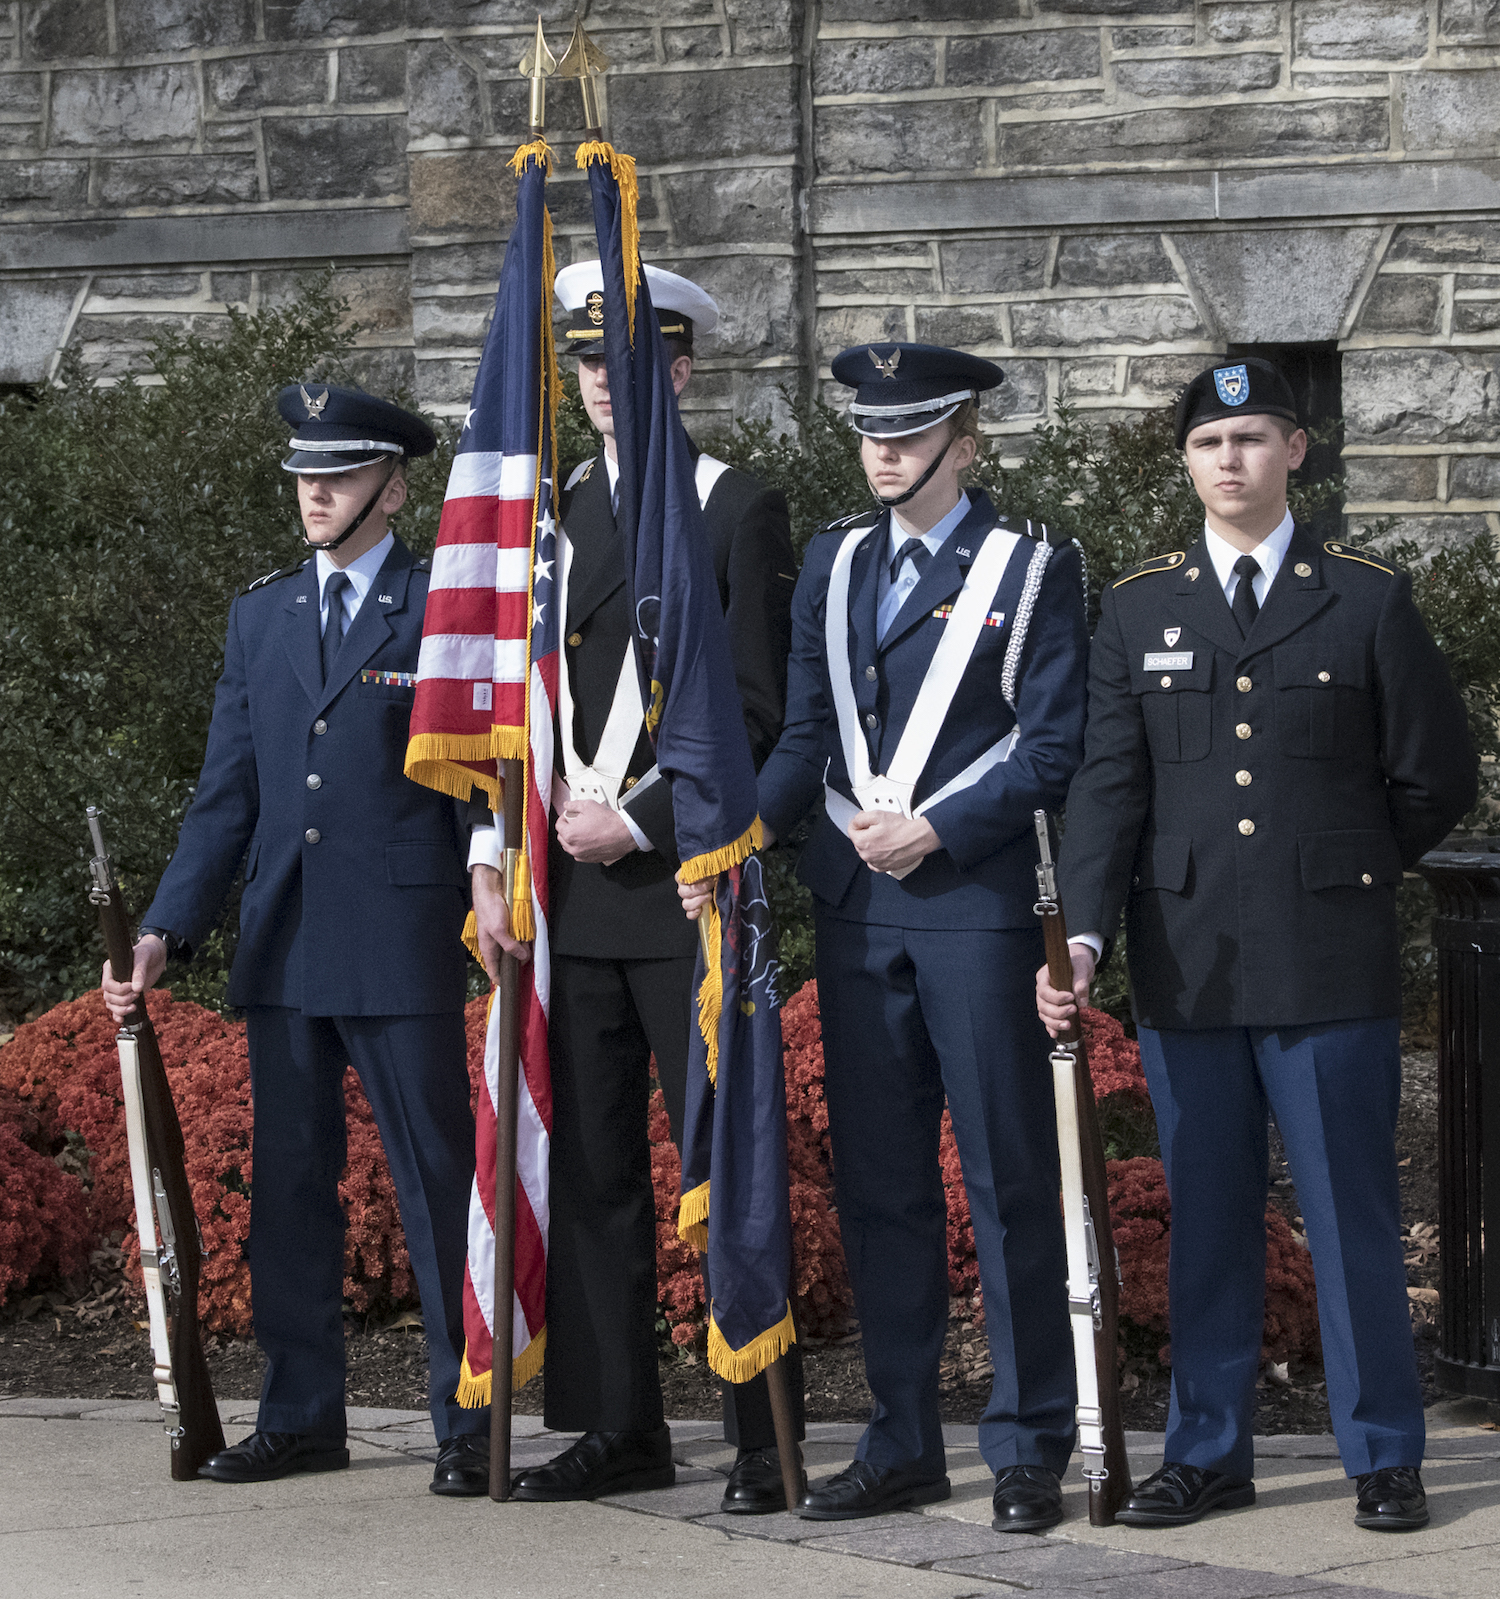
x=1273 y=737
x=935 y=701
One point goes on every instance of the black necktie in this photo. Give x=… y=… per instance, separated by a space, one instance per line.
x=1245 y=607
x=919 y=554
x=333 y=628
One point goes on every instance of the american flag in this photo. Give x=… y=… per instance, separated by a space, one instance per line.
x=486 y=687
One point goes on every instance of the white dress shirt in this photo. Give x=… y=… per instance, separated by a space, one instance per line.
x=1268 y=554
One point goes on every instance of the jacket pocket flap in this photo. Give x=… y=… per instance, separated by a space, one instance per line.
x=1352 y=858
x=1311 y=663
x=1165 y=864
x=418 y=865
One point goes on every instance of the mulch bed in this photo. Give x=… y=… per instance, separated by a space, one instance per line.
x=82 y=1340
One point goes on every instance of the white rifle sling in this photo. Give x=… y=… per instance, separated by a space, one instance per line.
x=153 y=1265
x=1083 y=1263
x=893 y=789
x=603 y=778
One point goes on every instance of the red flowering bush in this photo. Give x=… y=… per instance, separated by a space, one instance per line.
x=63 y=1068
x=44 y=1221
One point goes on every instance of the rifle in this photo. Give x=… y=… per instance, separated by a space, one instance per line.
x=1093 y=1294
x=163 y=1202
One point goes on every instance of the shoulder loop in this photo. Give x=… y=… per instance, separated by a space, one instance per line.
x=274 y=577
x=1362 y=556
x=1157 y=563
x=844 y=523
x=1036 y=570
x=579 y=473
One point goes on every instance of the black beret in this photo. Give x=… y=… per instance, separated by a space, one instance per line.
x=907 y=388
x=1250 y=387
x=335 y=430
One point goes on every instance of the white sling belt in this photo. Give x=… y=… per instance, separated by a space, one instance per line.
x=893 y=789
x=603 y=778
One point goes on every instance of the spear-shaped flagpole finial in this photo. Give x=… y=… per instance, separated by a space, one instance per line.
x=538 y=64
x=584 y=60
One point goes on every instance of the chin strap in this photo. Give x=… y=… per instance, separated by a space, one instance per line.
x=328 y=545
x=900 y=499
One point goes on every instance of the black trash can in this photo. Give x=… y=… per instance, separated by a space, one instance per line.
x=1465 y=876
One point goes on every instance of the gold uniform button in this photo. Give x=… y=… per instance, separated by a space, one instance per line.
x=1243 y=684
x=574 y=640
x=1302 y=569
x=314 y=781
x=1166 y=682
x=871 y=674
x=320 y=726
x=1242 y=778
x=1366 y=879
x=1243 y=730
x=630 y=782
x=1324 y=677
x=1247 y=827
x=312 y=835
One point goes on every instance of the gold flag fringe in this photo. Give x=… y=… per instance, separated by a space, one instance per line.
x=692 y=1217
x=474 y=1390
x=711 y=993
x=522 y=917
x=538 y=150
x=740 y=1365
x=623 y=167
x=470 y=936
x=714 y=861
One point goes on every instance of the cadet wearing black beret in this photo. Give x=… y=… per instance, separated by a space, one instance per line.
x=349 y=947
x=1273 y=738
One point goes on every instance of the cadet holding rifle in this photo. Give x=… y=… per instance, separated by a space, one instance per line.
x=1273 y=737
x=349 y=947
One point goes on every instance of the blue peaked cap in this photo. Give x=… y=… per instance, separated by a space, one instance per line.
x=336 y=430
x=906 y=388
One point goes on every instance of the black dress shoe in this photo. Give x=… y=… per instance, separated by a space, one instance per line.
x=463 y=1466
x=265 y=1456
x=1027 y=1499
x=1178 y=1494
x=1390 y=1500
x=754 y=1487
x=865 y=1490
x=601 y=1463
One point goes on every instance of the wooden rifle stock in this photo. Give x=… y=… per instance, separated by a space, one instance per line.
x=506 y=1104
x=1093 y=1264
x=173 y=1267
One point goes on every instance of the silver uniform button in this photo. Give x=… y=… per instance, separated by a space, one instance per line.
x=871 y=720
x=1243 y=730
x=871 y=673
x=1242 y=778
x=1166 y=682
x=1325 y=677
x=314 y=781
x=320 y=726
x=1243 y=684
x=1247 y=827
x=312 y=835
x=1366 y=879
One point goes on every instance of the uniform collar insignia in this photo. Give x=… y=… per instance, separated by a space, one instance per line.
x=385 y=599
x=1193 y=573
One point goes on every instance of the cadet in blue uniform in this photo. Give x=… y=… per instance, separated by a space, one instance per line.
x=349 y=948
x=935 y=700
x=1272 y=738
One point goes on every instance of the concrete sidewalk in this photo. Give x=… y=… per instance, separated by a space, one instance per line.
x=89 y=1509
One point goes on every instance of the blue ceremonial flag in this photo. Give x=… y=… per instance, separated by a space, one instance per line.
x=734 y=1164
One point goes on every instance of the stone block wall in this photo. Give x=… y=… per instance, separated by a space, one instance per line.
x=1103 y=195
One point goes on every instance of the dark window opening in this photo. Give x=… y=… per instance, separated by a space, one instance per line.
x=1315 y=372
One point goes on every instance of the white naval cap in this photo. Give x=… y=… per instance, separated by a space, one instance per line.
x=682 y=308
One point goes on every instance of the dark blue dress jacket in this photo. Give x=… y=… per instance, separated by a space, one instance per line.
x=355 y=877
x=984 y=874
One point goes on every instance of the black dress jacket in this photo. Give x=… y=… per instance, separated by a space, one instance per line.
x=1251 y=803
x=631 y=909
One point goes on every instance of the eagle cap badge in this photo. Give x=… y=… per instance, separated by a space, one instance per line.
x=1233 y=384
x=314 y=407
x=887 y=367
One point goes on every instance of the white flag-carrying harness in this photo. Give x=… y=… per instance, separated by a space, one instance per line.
x=603 y=778
x=892 y=790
